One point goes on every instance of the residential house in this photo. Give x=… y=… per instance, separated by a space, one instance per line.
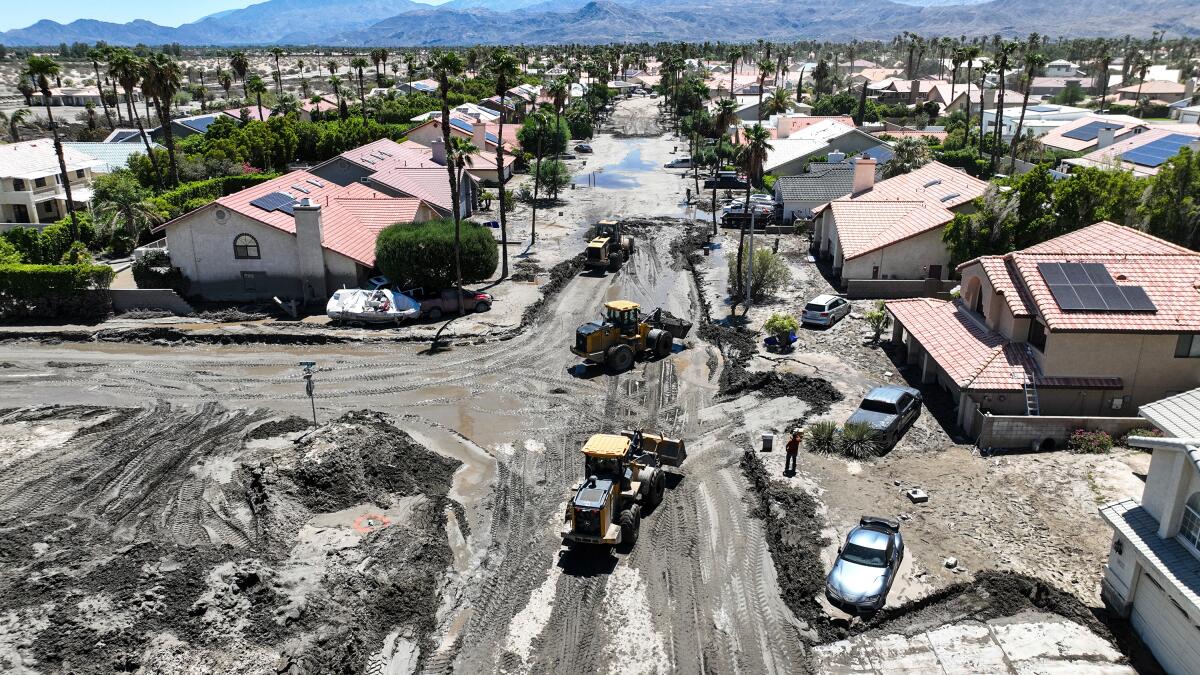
x=964 y=97
x=482 y=136
x=31 y=189
x=182 y=127
x=371 y=163
x=1053 y=86
x=1084 y=133
x=821 y=184
x=899 y=90
x=120 y=135
x=1062 y=68
x=310 y=109
x=513 y=108
x=297 y=236
x=1153 y=571
x=893 y=229
x=1094 y=323
x=747 y=110
x=856 y=66
x=1158 y=91
x=108 y=157
x=80 y=96
x=426 y=86
x=797 y=139
x=1141 y=154
x=871 y=75
x=1189 y=115
x=1038 y=120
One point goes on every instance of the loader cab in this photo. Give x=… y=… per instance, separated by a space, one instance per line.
x=606 y=456
x=625 y=315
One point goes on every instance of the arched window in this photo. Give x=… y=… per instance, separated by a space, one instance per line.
x=1189 y=529
x=245 y=246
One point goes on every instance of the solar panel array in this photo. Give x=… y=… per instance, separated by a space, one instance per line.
x=1088 y=287
x=1156 y=152
x=1044 y=108
x=1091 y=130
x=276 y=201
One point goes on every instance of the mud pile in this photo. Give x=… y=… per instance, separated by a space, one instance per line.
x=182 y=540
x=560 y=275
x=816 y=392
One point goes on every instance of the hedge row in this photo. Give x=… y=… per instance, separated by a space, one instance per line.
x=176 y=202
x=55 y=291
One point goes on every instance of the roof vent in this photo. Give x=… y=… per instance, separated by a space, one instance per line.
x=950 y=196
x=935 y=181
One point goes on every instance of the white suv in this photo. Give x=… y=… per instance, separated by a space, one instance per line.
x=825 y=310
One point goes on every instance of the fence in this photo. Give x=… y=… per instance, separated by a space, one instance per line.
x=1044 y=431
x=887 y=289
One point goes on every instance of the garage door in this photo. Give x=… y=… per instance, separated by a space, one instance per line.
x=1165 y=628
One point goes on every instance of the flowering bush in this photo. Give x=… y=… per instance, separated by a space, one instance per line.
x=1084 y=442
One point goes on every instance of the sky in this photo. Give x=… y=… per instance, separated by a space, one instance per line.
x=21 y=13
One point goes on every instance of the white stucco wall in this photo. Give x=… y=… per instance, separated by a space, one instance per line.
x=908 y=259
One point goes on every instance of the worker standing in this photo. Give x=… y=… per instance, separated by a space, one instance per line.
x=791 y=450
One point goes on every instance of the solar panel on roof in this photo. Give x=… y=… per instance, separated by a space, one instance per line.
x=288 y=208
x=1114 y=298
x=1043 y=108
x=1076 y=275
x=1156 y=152
x=1052 y=273
x=1098 y=274
x=1138 y=300
x=1064 y=295
x=273 y=201
x=1090 y=287
x=1091 y=130
x=1090 y=297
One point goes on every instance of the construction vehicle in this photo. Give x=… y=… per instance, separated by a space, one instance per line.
x=624 y=334
x=623 y=476
x=607 y=249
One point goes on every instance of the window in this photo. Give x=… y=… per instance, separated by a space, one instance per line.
x=1188 y=346
x=1037 y=335
x=39 y=182
x=250 y=281
x=79 y=173
x=245 y=247
x=18 y=184
x=1189 y=529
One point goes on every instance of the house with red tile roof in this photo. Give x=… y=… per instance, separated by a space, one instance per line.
x=1094 y=323
x=1159 y=91
x=296 y=236
x=893 y=229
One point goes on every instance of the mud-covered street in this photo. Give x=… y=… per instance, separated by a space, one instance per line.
x=167 y=508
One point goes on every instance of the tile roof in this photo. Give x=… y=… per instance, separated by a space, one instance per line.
x=109 y=156
x=1169 y=274
x=974 y=356
x=252 y=112
x=1177 y=415
x=351 y=216
x=429 y=185
x=37 y=159
x=386 y=154
x=934 y=183
x=1152 y=87
x=1167 y=557
x=1112 y=154
x=868 y=225
x=1056 y=138
x=823 y=185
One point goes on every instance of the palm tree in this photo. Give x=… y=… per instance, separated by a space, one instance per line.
x=505 y=70
x=763 y=67
x=126 y=209
x=558 y=91
x=753 y=156
x=25 y=86
x=286 y=105
x=225 y=79
x=163 y=80
x=42 y=68
x=971 y=54
x=446 y=66
x=257 y=87
x=126 y=68
x=956 y=58
x=1007 y=49
x=332 y=66
x=240 y=66
x=98 y=55
x=458 y=156
x=300 y=67
x=736 y=54
x=908 y=154
x=779 y=102
x=1034 y=62
x=335 y=83
x=357 y=64
x=276 y=52
x=15 y=119
x=1143 y=65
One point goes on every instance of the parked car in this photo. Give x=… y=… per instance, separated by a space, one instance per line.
x=889 y=410
x=866 y=566
x=681 y=163
x=738 y=206
x=436 y=305
x=825 y=310
x=763 y=199
x=583 y=147
x=654 y=94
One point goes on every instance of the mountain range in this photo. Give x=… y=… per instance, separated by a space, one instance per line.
x=358 y=23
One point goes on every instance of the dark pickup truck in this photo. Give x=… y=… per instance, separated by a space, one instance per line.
x=889 y=410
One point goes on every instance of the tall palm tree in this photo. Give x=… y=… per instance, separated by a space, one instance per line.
x=41 y=69
x=335 y=83
x=300 y=67
x=332 y=66
x=126 y=68
x=505 y=71
x=1034 y=62
x=558 y=91
x=163 y=80
x=956 y=57
x=971 y=54
x=15 y=119
x=276 y=52
x=725 y=115
x=763 y=66
x=458 y=156
x=753 y=156
x=257 y=87
x=1007 y=49
x=1101 y=78
x=779 y=102
x=97 y=55
x=240 y=66
x=736 y=54
x=225 y=80
x=446 y=66
x=357 y=64
x=1143 y=66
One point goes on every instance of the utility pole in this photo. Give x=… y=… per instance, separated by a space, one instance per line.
x=308 y=386
x=750 y=263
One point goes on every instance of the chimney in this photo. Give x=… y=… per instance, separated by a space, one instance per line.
x=836 y=157
x=864 y=175
x=989 y=97
x=1105 y=137
x=478 y=139
x=914 y=91
x=439 y=151
x=310 y=255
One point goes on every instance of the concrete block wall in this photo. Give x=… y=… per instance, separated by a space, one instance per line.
x=125 y=299
x=889 y=289
x=1022 y=431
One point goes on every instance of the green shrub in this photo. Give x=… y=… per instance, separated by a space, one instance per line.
x=1084 y=442
x=54 y=240
x=87 y=227
x=175 y=202
x=54 y=291
x=878 y=319
x=552 y=176
x=858 y=440
x=76 y=254
x=9 y=255
x=154 y=270
x=1149 y=432
x=770 y=273
x=781 y=325
x=821 y=437
x=25 y=241
x=422 y=254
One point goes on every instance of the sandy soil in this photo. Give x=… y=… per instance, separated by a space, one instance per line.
x=700 y=592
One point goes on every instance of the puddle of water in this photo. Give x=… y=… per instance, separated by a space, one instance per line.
x=619 y=175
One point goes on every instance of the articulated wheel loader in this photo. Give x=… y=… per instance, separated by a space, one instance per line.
x=624 y=334
x=607 y=249
x=623 y=476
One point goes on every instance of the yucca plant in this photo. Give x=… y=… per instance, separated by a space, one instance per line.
x=858 y=440
x=820 y=437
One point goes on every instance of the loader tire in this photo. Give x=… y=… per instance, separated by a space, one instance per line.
x=615 y=259
x=660 y=487
x=631 y=522
x=661 y=342
x=619 y=358
x=628 y=246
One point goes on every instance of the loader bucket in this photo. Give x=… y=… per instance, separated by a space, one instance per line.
x=677 y=327
x=670 y=451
